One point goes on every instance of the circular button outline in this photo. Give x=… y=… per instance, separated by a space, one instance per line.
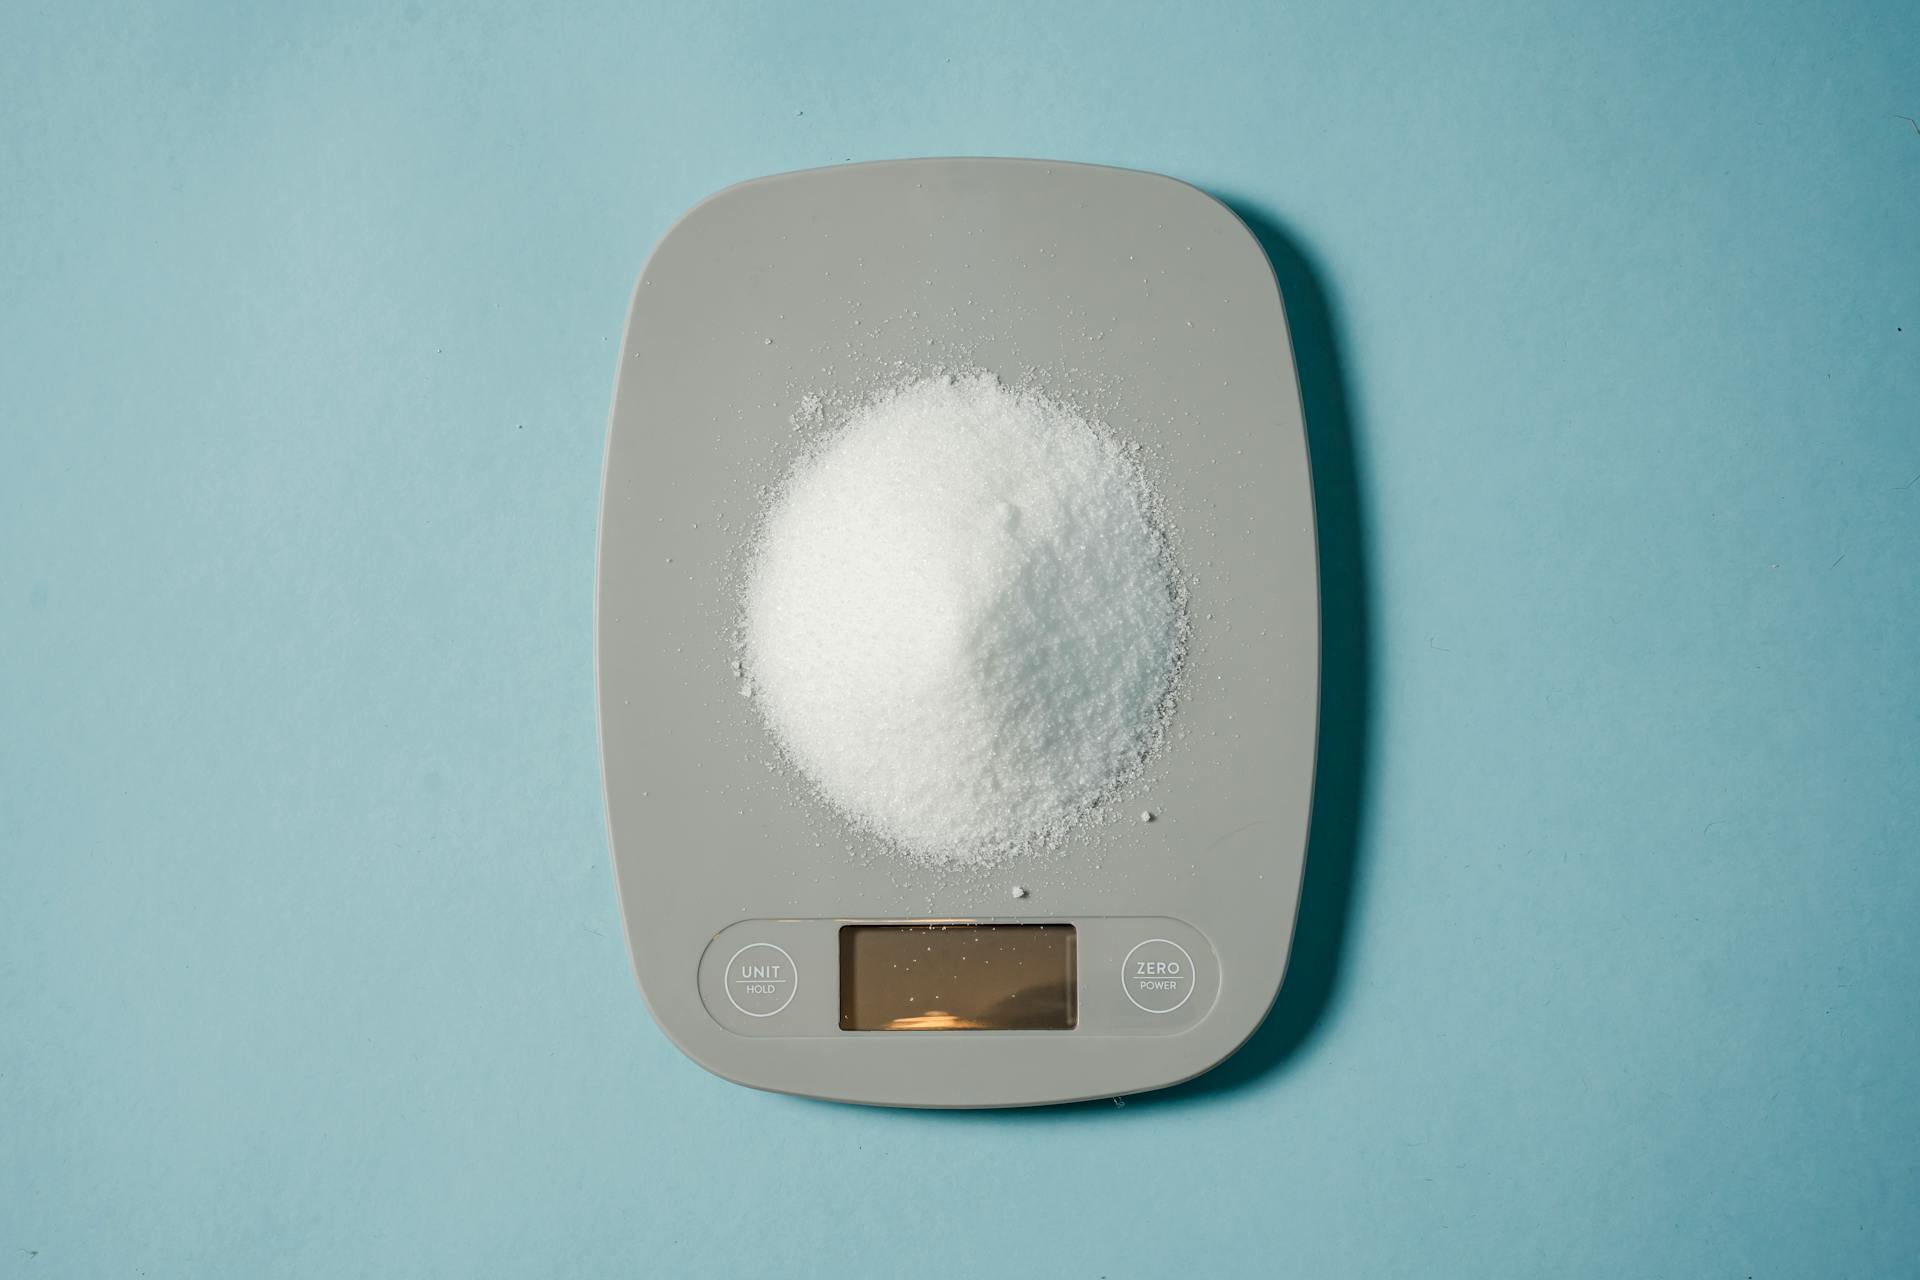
x=727 y=978
x=1193 y=974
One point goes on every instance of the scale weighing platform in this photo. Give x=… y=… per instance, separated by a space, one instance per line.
x=775 y=945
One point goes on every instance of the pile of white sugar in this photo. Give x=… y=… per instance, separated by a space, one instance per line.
x=962 y=621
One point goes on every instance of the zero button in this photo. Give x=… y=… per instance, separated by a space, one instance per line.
x=1158 y=975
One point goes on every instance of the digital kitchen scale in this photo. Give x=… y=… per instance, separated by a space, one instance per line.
x=774 y=944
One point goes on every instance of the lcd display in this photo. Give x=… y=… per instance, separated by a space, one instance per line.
x=957 y=977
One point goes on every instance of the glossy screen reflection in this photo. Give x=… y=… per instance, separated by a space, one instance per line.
x=957 y=977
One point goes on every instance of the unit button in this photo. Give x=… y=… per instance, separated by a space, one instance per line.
x=761 y=979
x=1158 y=975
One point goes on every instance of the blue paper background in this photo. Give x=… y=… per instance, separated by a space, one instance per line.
x=309 y=959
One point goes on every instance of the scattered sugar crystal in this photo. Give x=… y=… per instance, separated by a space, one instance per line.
x=962 y=621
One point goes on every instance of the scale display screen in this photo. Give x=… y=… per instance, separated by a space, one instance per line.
x=958 y=977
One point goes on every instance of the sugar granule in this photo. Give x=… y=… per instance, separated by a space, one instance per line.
x=962 y=620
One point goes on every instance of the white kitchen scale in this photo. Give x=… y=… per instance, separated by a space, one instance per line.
x=774 y=944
